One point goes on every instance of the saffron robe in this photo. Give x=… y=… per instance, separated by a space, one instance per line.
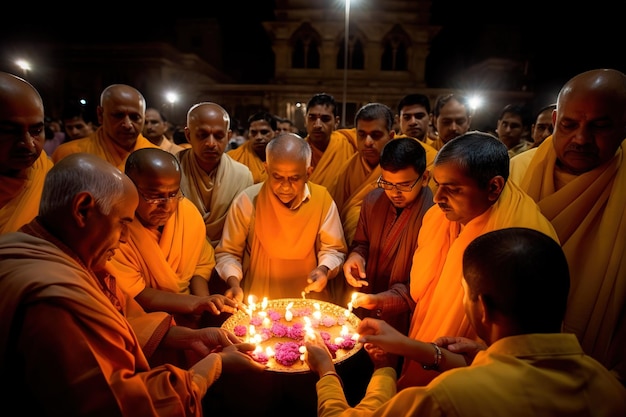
x=97 y=144
x=246 y=155
x=436 y=273
x=589 y=214
x=94 y=361
x=327 y=164
x=213 y=195
x=275 y=247
x=387 y=242
x=19 y=197
x=166 y=263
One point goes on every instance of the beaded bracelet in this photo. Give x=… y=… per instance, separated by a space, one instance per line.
x=435 y=365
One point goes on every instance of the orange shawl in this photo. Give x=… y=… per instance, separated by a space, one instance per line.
x=20 y=196
x=246 y=155
x=99 y=145
x=436 y=273
x=589 y=216
x=168 y=263
x=341 y=147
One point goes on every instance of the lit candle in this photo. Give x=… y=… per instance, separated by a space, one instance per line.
x=317 y=313
x=303 y=295
x=302 y=350
x=339 y=340
x=264 y=303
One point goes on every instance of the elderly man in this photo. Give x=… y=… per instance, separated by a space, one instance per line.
x=23 y=163
x=167 y=261
x=578 y=178
x=67 y=345
x=282 y=236
x=121 y=115
x=211 y=179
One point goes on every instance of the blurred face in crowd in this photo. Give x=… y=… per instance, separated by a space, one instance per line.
x=510 y=129
x=542 y=128
x=453 y=120
x=372 y=136
x=320 y=123
x=76 y=128
x=260 y=133
x=414 y=121
x=154 y=127
x=208 y=132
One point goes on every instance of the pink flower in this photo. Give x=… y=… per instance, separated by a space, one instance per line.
x=240 y=330
x=287 y=353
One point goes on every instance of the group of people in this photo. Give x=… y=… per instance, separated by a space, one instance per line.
x=109 y=248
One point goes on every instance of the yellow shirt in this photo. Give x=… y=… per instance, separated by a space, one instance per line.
x=327 y=164
x=247 y=156
x=519 y=376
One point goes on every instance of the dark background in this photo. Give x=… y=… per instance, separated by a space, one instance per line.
x=557 y=39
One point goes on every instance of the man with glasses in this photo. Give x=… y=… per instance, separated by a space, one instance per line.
x=283 y=236
x=166 y=262
x=379 y=260
x=331 y=148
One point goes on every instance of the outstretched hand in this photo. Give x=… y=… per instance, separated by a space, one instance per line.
x=317 y=356
x=237 y=358
x=317 y=280
x=216 y=304
x=382 y=334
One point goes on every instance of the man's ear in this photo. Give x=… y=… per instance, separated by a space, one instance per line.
x=309 y=171
x=495 y=187
x=486 y=315
x=82 y=207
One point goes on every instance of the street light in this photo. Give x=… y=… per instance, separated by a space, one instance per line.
x=172 y=98
x=345 y=64
x=24 y=65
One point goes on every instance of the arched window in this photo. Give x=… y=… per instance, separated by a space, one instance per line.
x=395 y=46
x=356 y=54
x=305 y=44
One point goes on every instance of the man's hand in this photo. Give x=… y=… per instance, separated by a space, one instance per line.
x=317 y=356
x=354 y=271
x=216 y=304
x=461 y=345
x=368 y=301
x=234 y=292
x=202 y=341
x=381 y=334
x=236 y=358
x=317 y=279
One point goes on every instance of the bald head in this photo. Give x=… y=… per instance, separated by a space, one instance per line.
x=21 y=109
x=288 y=147
x=207 y=110
x=151 y=162
x=590 y=120
x=122 y=93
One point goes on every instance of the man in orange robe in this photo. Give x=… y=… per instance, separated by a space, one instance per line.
x=66 y=344
x=211 y=179
x=262 y=128
x=578 y=178
x=167 y=260
x=330 y=148
x=121 y=114
x=473 y=197
x=282 y=236
x=23 y=162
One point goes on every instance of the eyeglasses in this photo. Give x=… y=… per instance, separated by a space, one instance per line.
x=400 y=187
x=177 y=196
